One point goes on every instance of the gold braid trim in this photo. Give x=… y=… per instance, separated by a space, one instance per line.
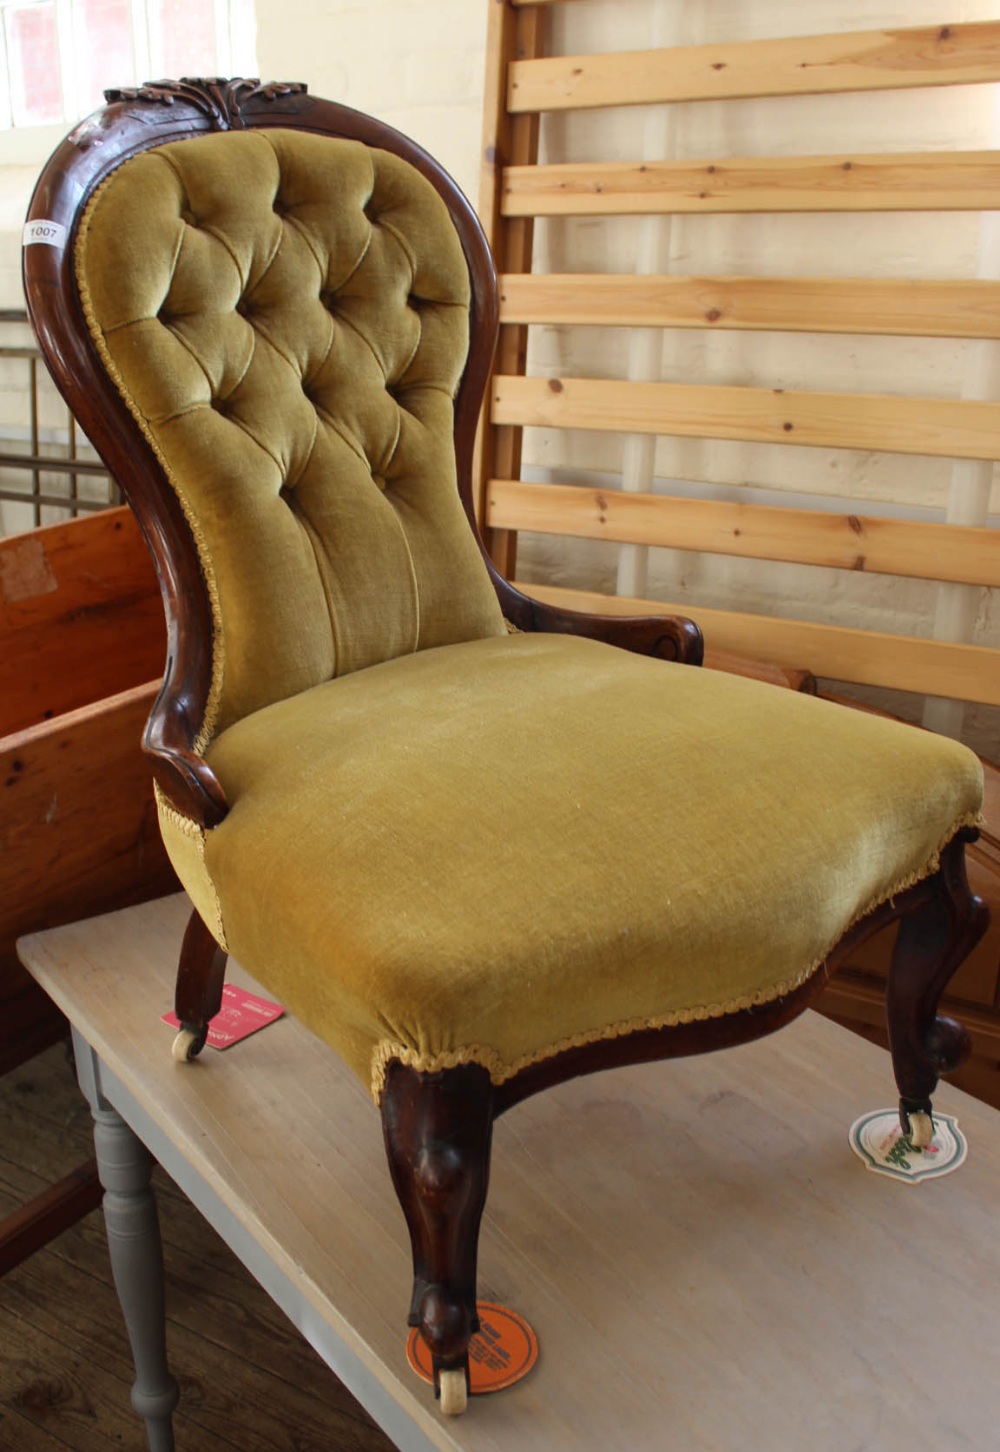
x=196 y=833
x=500 y=1070
x=100 y=343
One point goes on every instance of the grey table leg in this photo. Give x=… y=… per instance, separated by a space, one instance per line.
x=125 y=1166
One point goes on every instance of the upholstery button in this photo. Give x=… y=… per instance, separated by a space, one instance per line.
x=379 y=482
x=190 y=218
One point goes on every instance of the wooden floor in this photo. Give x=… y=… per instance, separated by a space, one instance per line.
x=248 y=1380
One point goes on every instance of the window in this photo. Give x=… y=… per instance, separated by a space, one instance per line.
x=57 y=56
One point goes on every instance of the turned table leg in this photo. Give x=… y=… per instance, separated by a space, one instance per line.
x=125 y=1166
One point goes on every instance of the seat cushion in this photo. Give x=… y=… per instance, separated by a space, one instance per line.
x=497 y=850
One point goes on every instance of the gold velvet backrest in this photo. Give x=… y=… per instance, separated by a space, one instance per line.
x=286 y=316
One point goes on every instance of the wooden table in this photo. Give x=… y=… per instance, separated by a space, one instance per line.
x=706 y=1263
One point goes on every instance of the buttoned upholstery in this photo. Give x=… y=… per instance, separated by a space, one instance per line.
x=287 y=316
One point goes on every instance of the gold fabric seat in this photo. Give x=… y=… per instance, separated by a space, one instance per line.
x=476 y=862
x=490 y=852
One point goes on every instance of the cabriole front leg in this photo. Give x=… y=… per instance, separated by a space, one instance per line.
x=438 y=1129
x=934 y=939
x=201 y=975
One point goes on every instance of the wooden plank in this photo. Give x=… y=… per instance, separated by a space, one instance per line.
x=953 y=429
x=913 y=548
x=78 y=829
x=864 y=657
x=936 y=55
x=963 y=308
x=80 y=617
x=903 y=182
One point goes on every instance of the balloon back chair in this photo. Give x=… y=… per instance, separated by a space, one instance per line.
x=477 y=844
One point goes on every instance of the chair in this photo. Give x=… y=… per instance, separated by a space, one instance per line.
x=478 y=844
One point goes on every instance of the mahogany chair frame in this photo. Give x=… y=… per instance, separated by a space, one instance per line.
x=437 y=1126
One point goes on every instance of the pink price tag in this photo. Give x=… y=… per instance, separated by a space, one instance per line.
x=241 y=1015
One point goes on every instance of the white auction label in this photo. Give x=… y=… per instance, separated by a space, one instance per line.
x=878 y=1140
x=52 y=233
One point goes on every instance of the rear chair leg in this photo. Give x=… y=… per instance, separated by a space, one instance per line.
x=201 y=974
x=438 y=1129
x=934 y=938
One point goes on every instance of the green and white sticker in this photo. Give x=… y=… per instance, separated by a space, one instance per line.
x=878 y=1140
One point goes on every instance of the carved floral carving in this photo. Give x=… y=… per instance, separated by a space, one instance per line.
x=217 y=98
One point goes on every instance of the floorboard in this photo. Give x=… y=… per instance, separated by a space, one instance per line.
x=248 y=1381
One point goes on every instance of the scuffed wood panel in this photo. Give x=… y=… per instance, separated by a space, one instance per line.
x=80 y=617
x=78 y=828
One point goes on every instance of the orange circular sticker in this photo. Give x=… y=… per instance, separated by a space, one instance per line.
x=503 y=1350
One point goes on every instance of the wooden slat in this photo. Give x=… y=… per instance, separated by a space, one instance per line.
x=813 y=65
x=913 y=548
x=80 y=617
x=936 y=426
x=963 y=308
x=903 y=182
x=864 y=657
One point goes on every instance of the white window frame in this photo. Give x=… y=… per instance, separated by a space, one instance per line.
x=234 y=55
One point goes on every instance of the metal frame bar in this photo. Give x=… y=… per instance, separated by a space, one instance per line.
x=36 y=463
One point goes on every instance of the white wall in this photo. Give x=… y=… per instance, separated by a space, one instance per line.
x=418 y=66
